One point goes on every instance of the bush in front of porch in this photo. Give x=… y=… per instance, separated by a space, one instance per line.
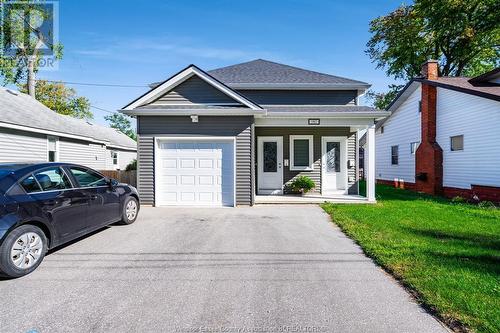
x=447 y=253
x=302 y=184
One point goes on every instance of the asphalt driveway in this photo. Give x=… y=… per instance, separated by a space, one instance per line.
x=259 y=269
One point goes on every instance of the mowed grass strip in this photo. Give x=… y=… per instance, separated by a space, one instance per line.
x=447 y=253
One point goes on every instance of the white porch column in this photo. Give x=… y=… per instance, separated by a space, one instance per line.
x=370 y=163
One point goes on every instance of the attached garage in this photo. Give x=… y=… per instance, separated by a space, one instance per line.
x=195 y=171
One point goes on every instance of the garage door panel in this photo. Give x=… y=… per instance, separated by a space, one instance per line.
x=196 y=173
x=170 y=163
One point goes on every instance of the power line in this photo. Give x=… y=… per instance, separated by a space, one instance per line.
x=98 y=108
x=98 y=84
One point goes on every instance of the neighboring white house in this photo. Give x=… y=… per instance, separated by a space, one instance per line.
x=457 y=120
x=29 y=131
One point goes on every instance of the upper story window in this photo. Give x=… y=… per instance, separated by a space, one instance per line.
x=381 y=129
x=395 y=155
x=301 y=152
x=457 y=143
x=52 y=149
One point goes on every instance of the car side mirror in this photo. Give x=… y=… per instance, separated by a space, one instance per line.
x=112 y=182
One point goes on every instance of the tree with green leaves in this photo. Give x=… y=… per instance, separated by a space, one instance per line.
x=462 y=35
x=61 y=99
x=25 y=41
x=121 y=123
x=381 y=100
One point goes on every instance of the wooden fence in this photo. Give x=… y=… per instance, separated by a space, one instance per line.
x=129 y=177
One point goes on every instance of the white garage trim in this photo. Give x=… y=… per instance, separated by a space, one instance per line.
x=159 y=139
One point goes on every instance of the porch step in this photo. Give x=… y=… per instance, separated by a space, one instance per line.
x=294 y=199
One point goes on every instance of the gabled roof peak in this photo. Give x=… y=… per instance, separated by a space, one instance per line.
x=261 y=71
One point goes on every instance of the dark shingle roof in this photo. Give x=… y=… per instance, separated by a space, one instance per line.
x=267 y=72
x=463 y=84
x=21 y=109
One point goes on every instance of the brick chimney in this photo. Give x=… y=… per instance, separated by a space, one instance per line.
x=429 y=155
x=430 y=70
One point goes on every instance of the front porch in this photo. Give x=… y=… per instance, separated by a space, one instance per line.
x=310 y=199
x=327 y=153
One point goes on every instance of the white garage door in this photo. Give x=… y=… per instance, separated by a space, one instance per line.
x=195 y=172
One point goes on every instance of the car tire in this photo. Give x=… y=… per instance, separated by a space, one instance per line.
x=130 y=210
x=22 y=251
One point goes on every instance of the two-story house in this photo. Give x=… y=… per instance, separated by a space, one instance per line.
x=229 y=135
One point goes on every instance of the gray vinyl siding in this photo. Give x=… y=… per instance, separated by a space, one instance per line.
x=318 y=132
x=194 y=91
x=145 y=168
x=240 y=127
x=301 y=97
x=124 y=158
x=352 y=155
x=21 y=146
x=91 y=155
x=24 y=146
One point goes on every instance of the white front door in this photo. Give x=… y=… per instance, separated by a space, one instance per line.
x=195 y=172
x=270 y=165
x=333 y=165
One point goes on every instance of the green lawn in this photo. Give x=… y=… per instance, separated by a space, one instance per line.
x=449 y=254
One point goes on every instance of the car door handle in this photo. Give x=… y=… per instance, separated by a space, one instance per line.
x=93 y=197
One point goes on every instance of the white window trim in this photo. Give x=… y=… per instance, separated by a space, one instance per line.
x=397 y=155
x=57 y=147
x=113 y=159
x=463 y=143
x=417 y=143
x=311 y=152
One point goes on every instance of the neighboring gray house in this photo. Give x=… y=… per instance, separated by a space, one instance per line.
x=29 y=131
x=225 y=136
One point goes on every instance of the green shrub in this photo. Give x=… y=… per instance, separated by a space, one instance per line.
x=458 y=200
x=131 y=166
x=302 y=184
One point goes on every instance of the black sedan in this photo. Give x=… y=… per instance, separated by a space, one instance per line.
x=48 y=204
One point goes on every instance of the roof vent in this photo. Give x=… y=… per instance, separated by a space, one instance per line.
x=13 y=92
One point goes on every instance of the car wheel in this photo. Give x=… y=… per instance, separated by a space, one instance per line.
x=130 y=210
x=22 y=251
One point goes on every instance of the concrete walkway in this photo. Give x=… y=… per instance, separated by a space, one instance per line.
x=259 y=269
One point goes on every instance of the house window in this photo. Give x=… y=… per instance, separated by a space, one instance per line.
x=457 y=142
x=413 y=147
x=301 y=152
x=114 y=157
x=382 y=130
x=52 y=151
x=419 y=106
x=394 y=155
